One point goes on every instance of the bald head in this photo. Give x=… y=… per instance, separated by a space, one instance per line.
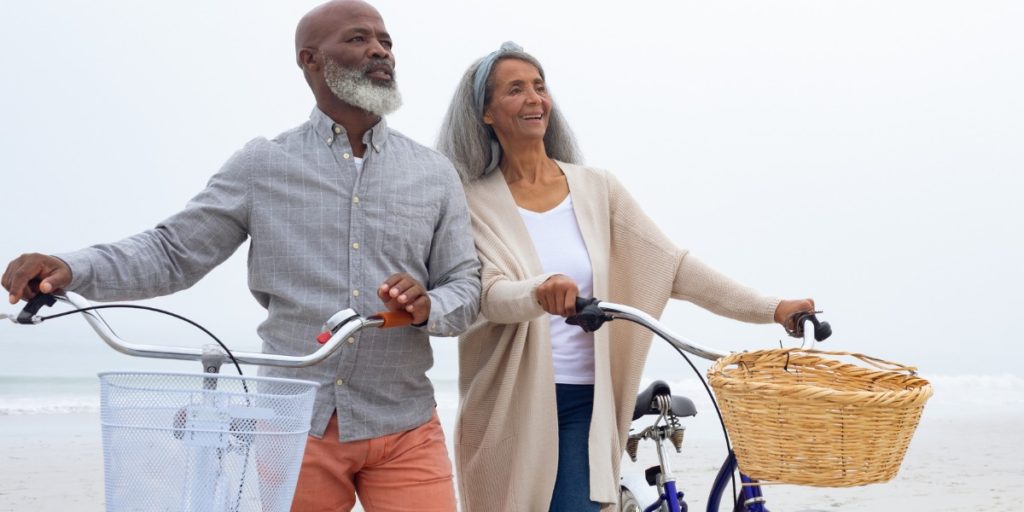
x=323 y=21
x=344 y=51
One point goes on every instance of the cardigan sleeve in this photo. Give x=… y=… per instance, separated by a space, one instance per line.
x=507 y=301
x=694 y=281
x=706 y=287
x=504 y=297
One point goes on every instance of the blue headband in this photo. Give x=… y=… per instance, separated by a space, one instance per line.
x=483 y=71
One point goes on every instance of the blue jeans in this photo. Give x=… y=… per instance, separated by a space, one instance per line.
x=572 y=485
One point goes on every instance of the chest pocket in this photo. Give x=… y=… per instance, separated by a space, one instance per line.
x=410 y=234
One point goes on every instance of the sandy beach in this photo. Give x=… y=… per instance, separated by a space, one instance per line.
x=961 y=459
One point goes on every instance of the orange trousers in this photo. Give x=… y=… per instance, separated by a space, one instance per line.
x=395 y=473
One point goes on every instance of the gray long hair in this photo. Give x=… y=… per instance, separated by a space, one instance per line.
x=471 y=144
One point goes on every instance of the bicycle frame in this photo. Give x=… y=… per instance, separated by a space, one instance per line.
x=751 y=497
x=750 y=494
x=666 y=479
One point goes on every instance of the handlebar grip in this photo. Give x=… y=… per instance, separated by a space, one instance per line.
x=392 y=319
x=589 y=316
x=33 y=307
x=583 y=302
x=822 y=330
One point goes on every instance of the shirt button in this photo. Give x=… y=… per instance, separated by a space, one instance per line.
x=355 y=199
x=337 y=129
x=345 y=156
x=340 y=382
x=377 y=147
x=330 y=140
x=355 y=293
x=355 y=245
x=351 y=339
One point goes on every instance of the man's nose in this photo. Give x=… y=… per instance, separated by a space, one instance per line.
x=378 y=51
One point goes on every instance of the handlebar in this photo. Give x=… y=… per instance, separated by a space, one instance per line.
x=592 y=313
x=341 y=326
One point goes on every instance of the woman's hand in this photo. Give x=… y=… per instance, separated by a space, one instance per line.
x=786 y=311
x=557 y=295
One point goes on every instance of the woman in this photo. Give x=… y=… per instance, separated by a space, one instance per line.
x=545 y=408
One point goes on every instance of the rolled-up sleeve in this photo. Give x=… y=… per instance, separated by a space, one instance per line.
x=177 y=252
x=453 y=268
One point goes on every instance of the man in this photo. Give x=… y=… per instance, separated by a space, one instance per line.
x=335 y=210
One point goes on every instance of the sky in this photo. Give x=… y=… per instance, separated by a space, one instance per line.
x=867 y=154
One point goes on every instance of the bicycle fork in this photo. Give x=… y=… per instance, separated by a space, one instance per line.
x=751 y=499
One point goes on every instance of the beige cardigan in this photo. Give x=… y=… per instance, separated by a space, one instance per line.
x=506 y=437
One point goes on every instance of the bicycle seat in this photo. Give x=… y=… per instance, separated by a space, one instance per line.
x=646 y=404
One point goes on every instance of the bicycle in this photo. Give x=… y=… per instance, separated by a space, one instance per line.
x=204 y=442
x=661 y=493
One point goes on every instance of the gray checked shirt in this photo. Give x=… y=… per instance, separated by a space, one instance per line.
x=322 y=237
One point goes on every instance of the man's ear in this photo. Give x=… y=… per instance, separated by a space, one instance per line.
x=309 y=59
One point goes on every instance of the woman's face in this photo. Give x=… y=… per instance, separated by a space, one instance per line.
x=520 y=104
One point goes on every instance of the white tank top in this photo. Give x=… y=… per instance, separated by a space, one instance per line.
x=560 y=248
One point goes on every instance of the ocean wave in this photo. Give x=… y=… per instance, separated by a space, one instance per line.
x=20 y=395
x=11 y=406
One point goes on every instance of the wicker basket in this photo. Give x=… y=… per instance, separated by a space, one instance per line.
x=799 y=417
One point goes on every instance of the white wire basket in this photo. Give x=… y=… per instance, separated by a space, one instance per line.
x=202 y=442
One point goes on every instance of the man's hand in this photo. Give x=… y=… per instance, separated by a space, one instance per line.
x=31 y=274
x=786 y=311
x=401 y=292
x=557 y=295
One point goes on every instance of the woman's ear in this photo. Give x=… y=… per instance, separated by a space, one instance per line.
x=488 y=120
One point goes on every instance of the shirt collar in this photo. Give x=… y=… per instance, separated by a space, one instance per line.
x=328 y=131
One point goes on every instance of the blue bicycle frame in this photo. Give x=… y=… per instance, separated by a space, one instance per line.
x=750 y=500
x=750 y=494
x=670 y=496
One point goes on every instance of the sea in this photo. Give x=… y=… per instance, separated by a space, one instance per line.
x=52 y=373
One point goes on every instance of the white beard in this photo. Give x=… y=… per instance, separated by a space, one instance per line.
x=353 y=87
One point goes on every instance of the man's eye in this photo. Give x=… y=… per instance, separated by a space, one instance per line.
x=386 y=44
x=357 y=39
